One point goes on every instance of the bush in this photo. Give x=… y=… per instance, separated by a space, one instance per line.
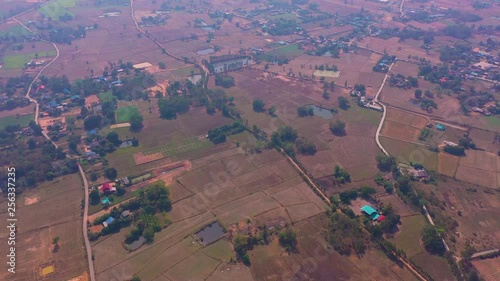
x=343 y=103
x=305 y=147
x=337 y=127
x=385 y=163
x=258 y=106
x=304 y=111
x=288 y=239
x=455 y=150
x=432 y=241
x=224 y=80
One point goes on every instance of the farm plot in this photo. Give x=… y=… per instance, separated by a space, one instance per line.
x=403 y=125
x=408 y=152
x=200 y=268
x=47 y=213
x=447 y=164
x=408 y=236
x=123 y=114
x=23 y=120
x=488 y=268
x=20 y=61
x=57 y=8
x=175 y=148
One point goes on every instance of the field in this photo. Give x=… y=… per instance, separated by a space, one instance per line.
x=479 y=167
x=447 y=164
x=473 y=207
x=290 y=51
x=123 y=113
x=409 y=152
x=38 y=225
x=23 y=120
x=488 y=268
x=403 y=126
x=106 y=97
x=57 y=8
x=408 y=237
x=20 y=61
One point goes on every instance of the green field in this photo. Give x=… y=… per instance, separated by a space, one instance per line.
x=57 y=8
x=123 y=113
x=407 y=152
x=287 y=16
x=174 y=148
x=493 y=121
x=106 y=97
x=19 y=61
x=12 y=120
x=185 y=71
x=290 y=51
x=408 y=238
x=14 y=29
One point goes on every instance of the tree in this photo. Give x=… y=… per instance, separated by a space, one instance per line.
x=149 y=235
x=418 y=93
x=135 y=278
x=246 y=259
x=305 y=147
x=120 y=191
x=432 y=241
x=385 y=162
x=304 y=111
x=258 y=105
x=337 y=127
x=343 y=103
x=92 y=122
x=55 y=240
x=288 y=239
x=111 y=173
x=94 y=176
x=272 y=111
x=455 y=150
x=114 y=138
x=162 y=65
x=136 y=122
x=94 y=197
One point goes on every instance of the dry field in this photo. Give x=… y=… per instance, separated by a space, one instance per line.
x=51 y=210
x=488 y=268
x=403 y=126
x=314 y=261
x=478 y=206
x=479 y=167
x=447 y=164
x=227 y=185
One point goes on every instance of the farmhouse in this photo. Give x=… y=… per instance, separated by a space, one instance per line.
x=440 y=127
x=371 y=212
x=228 y=63
x=449 y=143
x=109 y=221
x=107 y=187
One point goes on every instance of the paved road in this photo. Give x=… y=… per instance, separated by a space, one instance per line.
x=84 y=225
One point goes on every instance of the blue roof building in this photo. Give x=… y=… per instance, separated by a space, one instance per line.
x=440 y=127
x=108 y=221
x=105 y=201
x=370 y=211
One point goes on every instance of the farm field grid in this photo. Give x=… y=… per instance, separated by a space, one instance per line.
x=250 y=140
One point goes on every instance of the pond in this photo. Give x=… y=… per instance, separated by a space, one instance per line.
x=210 y=233
x=206 y=51
x=324 y=113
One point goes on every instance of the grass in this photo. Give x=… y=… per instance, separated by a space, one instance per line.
x=408 y=237
x=357 y=114
x=57 y=8
x=220 y=250
x=287 y=16
x=123 y=113
x=106 y=97
x=408 y=152
x=175 y=148
x=19 y=61
x=492 y=121
x=290 y=51
x=185 y=71
x=14 y=29
x=23 y=120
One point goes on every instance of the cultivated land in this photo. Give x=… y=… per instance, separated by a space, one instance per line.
x=51 y=210
x=230 y=182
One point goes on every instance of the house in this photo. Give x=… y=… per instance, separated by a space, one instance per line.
x=126 y=213
x=440 y=127
x=449 y=143
x=228 y=63
x=109 y=221
x=422 y=174
x=105 y=201
x=108 y=187
x=125 y=180
x=370 y=211
x=91 y=132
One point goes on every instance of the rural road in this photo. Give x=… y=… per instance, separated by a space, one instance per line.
x=37 y=113
x=384 y=113
x=84 y=225
x=377 y=139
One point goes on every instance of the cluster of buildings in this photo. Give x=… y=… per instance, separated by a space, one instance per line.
x=369 y=103
x=228 y=62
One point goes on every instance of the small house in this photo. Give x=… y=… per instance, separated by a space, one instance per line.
x=105 y=201
x=422 y=174
x=371 y=212
x=109 y=221
x=126 y=213
x=108 y=187
x=440 y=127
